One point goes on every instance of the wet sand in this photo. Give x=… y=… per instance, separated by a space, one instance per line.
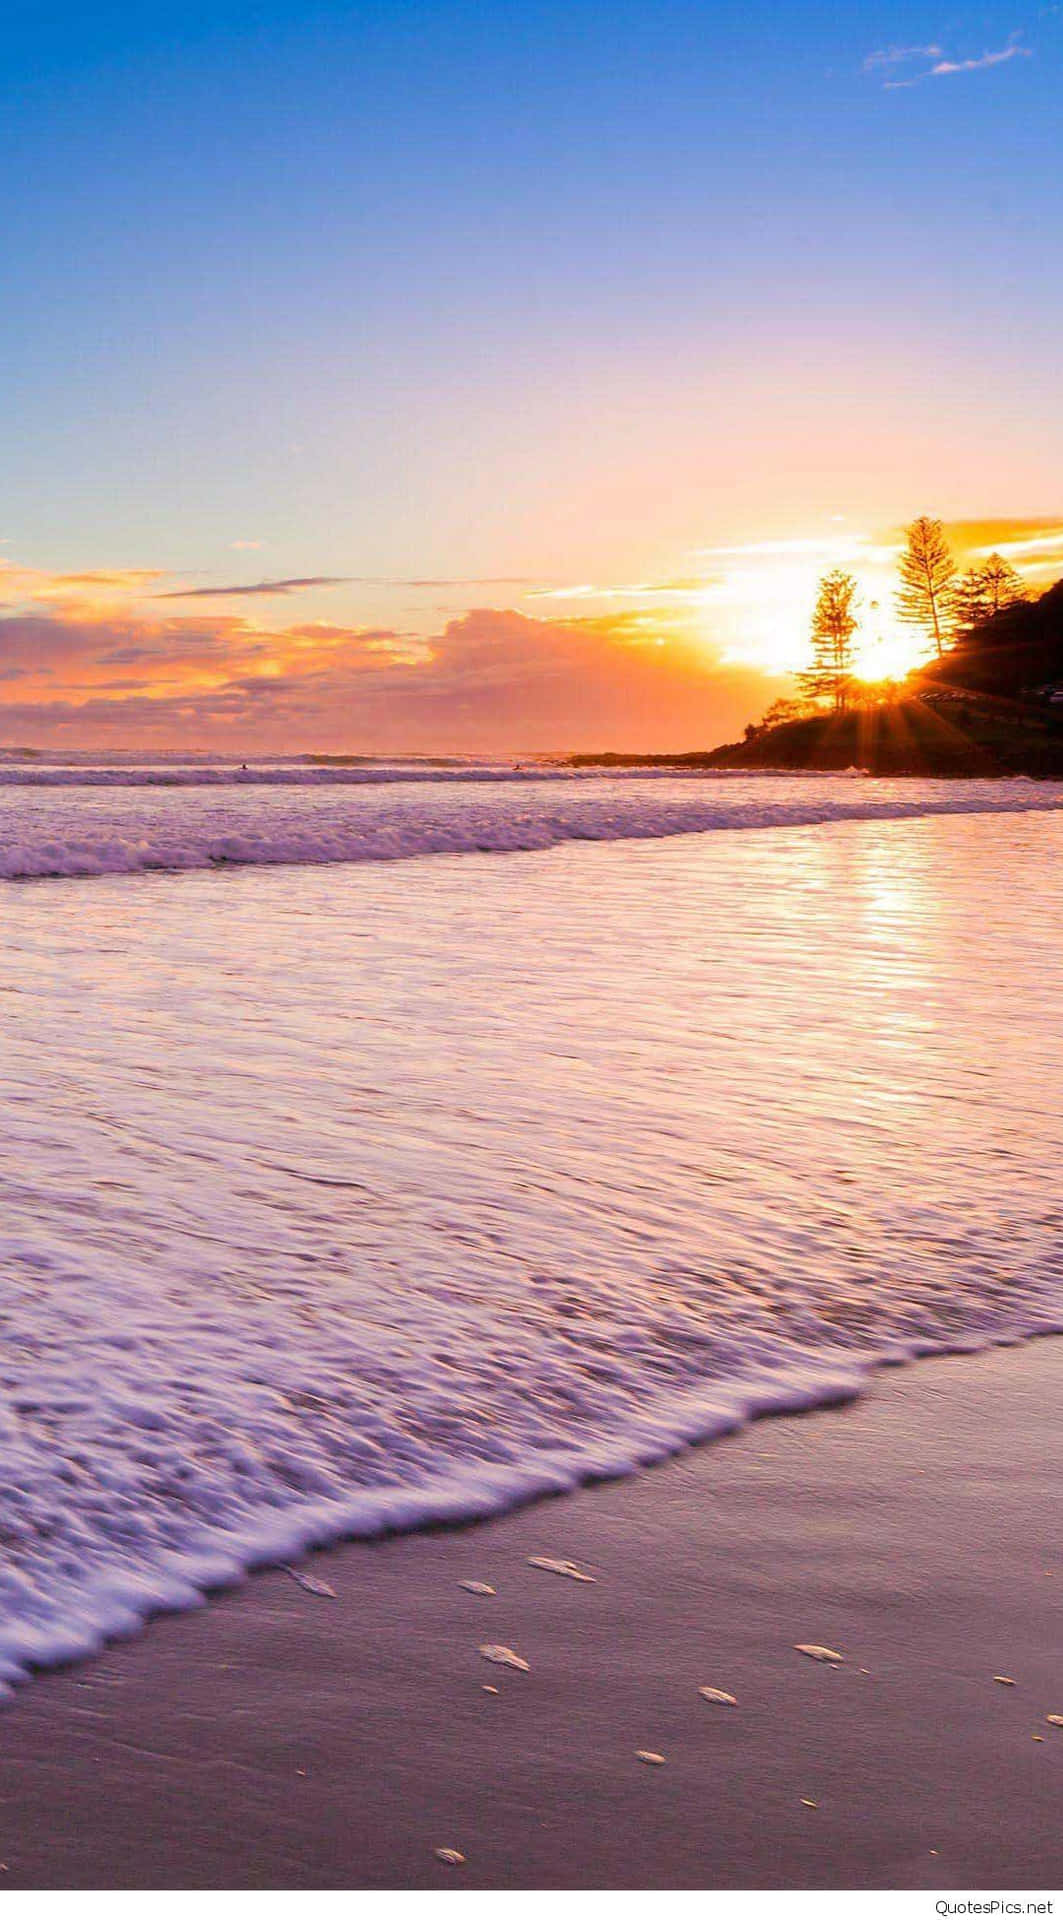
x=282 y=1738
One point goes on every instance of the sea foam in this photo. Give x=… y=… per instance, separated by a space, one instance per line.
x=351 y=1200
x=86 y=822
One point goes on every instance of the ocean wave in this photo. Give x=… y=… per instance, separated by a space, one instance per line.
x=99 y=1596
x=58 y=828
x=347 y=1207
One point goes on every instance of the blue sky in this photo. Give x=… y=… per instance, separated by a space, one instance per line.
x=518 y=294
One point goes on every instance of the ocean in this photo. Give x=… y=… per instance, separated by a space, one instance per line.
x=392 y=1142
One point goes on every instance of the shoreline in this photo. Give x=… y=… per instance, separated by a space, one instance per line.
x=705 y=763
x=285 y=1737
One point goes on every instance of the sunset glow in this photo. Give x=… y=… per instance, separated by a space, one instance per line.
x=531 y=815
x=313 y=453
x=101 y=656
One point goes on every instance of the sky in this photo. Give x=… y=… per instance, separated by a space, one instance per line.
x=502 y=377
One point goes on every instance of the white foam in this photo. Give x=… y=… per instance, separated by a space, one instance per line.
x=78 y=823
x=351 y=1201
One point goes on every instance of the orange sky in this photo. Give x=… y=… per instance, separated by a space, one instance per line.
x=683 y=659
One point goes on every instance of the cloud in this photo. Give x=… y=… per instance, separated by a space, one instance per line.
x=113 y=580
x=476 y=580
x=106 y=584
x=897 y=56
x=306 y=583
x=890 y=59
x=1013 y=51
x=690 y=589
x=301 y=585
x=491 y=680
x=90 y=660
x=1035 y=547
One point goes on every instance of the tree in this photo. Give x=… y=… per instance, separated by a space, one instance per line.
x=781 y=712
x=833 y=625
x=986 y=590
x=928 y=574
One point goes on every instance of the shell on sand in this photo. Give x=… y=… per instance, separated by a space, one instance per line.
x=718 y=1694
x=476 y=1586
x=1002 y=1680
x=309 y=1584
x=650 y=1759
x=810 y=1803
x=826 y=1654
x=450 y=1856
x=505 y=1657
x=567 y=1568
x=1054 y=1719
x=488 y=1689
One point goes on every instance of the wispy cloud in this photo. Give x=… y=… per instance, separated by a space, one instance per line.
x=239 y=592
x=98 y=584
x=1038 y=552
x=894 y=62
x=475 y=580
x=681 y=589
x=897 y=56
x=1035 y=546
x=305 y=583
x=1013 y=51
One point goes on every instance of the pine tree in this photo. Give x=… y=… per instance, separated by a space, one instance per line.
x=928 y=574
x=833 y=625
x=986 y=589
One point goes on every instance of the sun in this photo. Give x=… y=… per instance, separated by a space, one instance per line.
x=759 y=604
x=890 y=655
x=762 y=599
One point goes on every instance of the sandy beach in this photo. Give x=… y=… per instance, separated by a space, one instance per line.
x=283 y=1737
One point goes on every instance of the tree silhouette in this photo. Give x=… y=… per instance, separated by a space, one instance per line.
x=984 y=590
x=833 y=625
x=928 y=574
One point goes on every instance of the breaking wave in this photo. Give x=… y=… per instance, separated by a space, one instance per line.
x=356 y=1200
x=77 y=823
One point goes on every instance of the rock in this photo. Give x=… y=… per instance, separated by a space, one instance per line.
x=1054 y=1719
x=505 y=1657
